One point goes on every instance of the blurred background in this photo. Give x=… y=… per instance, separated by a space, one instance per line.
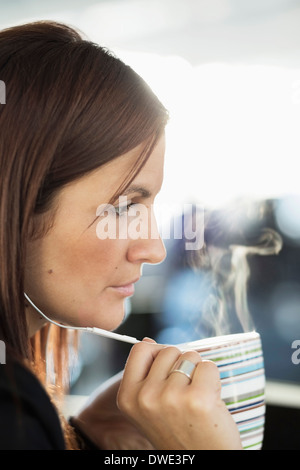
x=229 y=73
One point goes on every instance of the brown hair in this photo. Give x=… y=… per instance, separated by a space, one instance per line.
x=71 y=106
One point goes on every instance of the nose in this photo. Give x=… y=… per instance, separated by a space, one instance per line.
x=149 y=248
x=150 y=251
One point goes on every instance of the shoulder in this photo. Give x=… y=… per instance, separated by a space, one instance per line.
x=28 y=418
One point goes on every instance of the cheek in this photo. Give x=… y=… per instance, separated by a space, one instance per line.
x=97 y=266
x=93 y=259
x=71 y=282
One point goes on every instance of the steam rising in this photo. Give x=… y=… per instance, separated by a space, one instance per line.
x=230 y=275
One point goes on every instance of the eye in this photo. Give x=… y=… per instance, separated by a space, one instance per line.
x=123 y=208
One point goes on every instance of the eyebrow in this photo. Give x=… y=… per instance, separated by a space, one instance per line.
x=145 y=193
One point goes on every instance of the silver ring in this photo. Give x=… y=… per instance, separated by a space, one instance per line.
x=186 y=368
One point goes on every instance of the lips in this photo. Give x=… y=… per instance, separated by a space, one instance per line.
x=126 y=289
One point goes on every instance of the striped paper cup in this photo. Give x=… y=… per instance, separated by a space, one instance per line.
x=240 y=361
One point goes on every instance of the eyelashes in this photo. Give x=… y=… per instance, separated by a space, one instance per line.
x=124 y=220
x=119 y=211
x=124 y=208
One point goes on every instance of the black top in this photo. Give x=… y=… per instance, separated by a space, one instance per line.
x=28 y=420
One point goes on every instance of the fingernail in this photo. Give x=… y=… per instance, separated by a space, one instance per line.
x=149 y=340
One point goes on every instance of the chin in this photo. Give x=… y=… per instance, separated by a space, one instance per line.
x=107 y=321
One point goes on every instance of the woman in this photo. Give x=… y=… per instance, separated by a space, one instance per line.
x=80 y=129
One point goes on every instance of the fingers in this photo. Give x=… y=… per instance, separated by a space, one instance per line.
x=183 y=372
x=206 y=379
x=140 y=360
x=155 y=362
x=163 y=363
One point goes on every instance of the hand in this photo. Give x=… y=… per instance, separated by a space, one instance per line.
x=172 y=411
x=102 y=421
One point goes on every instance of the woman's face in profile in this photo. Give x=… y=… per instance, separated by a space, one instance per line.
x=81 y=271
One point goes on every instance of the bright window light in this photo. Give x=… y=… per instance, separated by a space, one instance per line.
x=234 y=130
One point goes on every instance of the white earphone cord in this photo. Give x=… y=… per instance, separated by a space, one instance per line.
x=97 y=331
x=105 y=333
x=47 y=318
